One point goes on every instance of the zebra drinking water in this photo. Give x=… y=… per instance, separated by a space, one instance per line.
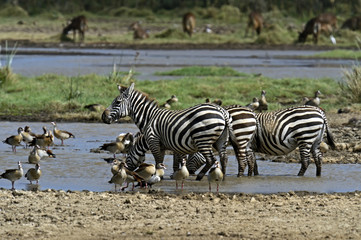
x=282 y=131
x=197 y=128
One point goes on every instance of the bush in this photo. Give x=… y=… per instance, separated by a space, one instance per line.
x=13 y=11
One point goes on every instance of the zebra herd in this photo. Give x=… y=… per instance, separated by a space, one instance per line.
x=199 y=129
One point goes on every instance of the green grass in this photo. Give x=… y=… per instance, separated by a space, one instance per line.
x=61 y=95
x=203 y=71
x=339 y=53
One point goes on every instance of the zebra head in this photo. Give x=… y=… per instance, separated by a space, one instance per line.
x=119 y=107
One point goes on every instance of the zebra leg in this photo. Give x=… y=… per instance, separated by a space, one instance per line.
x=317 y=156
x=210 y=160
x=251 y=162
x=305 y=159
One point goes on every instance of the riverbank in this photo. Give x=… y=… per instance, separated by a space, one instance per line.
x=155 y=215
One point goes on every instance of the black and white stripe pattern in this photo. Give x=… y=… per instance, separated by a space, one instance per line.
x=197 y=128
x=282 y=131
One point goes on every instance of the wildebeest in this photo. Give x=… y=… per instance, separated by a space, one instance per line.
x=255 y=21
x=325 y=22
x=189 y=23
x=79 y=24
x=353 y=23
x=139 y=32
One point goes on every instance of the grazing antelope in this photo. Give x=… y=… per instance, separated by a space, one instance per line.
x=325 y=22
x=353 y=23
x=79 y=24
x=189 y=23
x=255 y=21
x=139 y=32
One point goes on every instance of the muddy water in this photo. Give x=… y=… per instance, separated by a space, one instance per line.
x=76 y=168
x=271 y=63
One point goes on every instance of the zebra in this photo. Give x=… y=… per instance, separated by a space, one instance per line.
x=282 y=131
x=198 y=128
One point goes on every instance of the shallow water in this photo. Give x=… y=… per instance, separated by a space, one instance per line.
x=76 y=168
x=270 y=63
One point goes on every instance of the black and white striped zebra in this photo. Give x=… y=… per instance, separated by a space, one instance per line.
x=197 y=128
x=282 y=131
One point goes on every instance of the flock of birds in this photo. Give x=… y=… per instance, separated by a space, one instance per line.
x=145 y=175
x=41 y=148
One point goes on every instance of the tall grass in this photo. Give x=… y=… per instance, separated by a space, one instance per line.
x=6 y=74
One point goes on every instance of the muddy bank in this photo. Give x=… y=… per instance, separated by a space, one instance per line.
x=170 y=46
x=155 y=215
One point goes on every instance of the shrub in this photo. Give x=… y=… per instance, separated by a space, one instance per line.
x=352 y=86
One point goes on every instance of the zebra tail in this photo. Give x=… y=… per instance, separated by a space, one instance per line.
x=330 y=139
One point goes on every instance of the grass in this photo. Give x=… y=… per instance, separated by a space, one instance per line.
x=112 y=27
x=65 y=97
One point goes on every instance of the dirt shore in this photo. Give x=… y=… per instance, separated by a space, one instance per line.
x=154 y=215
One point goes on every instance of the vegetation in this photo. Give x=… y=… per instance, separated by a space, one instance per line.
x=352 y=86
x=202 y=71
x=108 y=21
x=62 y=96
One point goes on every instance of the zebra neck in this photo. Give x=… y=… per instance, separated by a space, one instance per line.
x=143 y=110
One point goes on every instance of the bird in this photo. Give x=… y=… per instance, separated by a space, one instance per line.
x=169 y=102
x=181 y=174
x=215 y=175
x=215 y=101
x=314 y=101
x=28 y=136
x=333 y=39
x=61 y=134
x=95 y=107
x=145 y=171
x=131 y=178
x=158 y=176
x=15 y=140
x=263 y=105
x=13 y=175
x=120 y=176
x=43 y=140
x=115 y=147
x=127 y=139
x=37 y=154
x=34 y=174
x=254 y=104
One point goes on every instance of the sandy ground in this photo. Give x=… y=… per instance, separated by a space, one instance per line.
x=154 y=215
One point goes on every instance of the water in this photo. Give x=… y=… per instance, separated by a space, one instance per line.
x=271 y=63
x=76 y=168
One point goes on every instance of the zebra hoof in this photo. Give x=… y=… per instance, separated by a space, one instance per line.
x=240 y=175
x=200 y=176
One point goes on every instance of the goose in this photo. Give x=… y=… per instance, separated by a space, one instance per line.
x=158 y=176
x=37 y=154
x=145 y=171
x=263 y=105
x=131 y=178
x=181 y=174
x=114 y=147
x=127 y=139
x=13 y=175
x=215 y=175
x=33 y=174
x=28 y=136
x=169 y=102
x=215 y=101
x=120 y=176
x=15 y=140
x=254 y=104
x=314 y=101
x=61 y=134
x=43 y=140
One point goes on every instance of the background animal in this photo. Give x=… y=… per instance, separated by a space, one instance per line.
x=325 y=22
x=139 y=32
x=189 y=23
x=79 y=24
x=353 y=23
x=255 y=22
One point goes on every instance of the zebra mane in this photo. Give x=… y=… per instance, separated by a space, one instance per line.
x=146 y=97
